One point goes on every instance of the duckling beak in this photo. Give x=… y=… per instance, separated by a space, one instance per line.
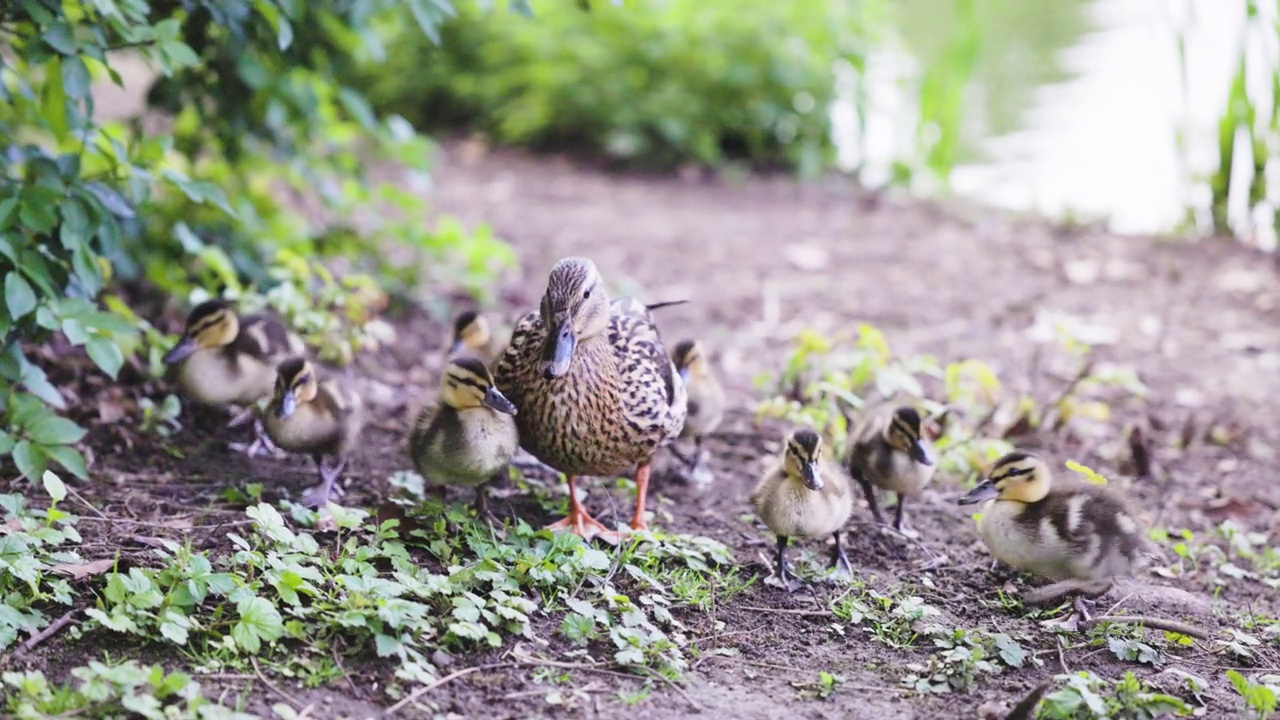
x=497 y=401
x=288 y=403
x=919 y=454
x=985 y=491
x=455 y=347
x=684 y=375
x=181 y=351
x=812 y=478
x=558 y=349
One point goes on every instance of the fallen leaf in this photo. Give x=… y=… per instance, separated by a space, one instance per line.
x=84 y=570
x=1220 y=509
x=110 y=410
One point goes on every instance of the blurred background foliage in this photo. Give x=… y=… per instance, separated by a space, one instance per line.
x=652 y=83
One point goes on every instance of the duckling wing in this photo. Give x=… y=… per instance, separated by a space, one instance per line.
x=1092 y=522
x=264 y=337
x=345 y=408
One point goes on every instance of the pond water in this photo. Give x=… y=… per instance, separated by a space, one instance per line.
x=1070 y=108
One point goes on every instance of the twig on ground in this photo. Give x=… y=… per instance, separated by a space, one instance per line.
x=1062 y=658
x=447 y=678
x=787 y=611
x=1153 y=623
x=46 y=633
x=525 y=659
x=273 y=687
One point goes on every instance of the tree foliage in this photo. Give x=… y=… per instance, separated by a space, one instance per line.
x=243 y=177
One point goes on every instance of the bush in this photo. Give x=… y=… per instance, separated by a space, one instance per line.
x=655 y=83
x=252 y=187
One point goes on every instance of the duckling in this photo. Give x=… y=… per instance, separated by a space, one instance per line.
x=889 y=451
x=1080 y=535
x=706 y=398
x=472 y=335
x=470 y=436
x=224 y=359
x=596 y=389
x=323 y=418
x=804 y=497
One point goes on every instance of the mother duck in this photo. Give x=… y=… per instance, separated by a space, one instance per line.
x=596 y=390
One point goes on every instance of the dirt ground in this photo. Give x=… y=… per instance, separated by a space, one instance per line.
x=760 y=258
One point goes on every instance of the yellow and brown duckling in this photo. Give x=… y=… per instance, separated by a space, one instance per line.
x=804 y=497
x=596 y=390
x=1077 y=534
x=224 y=359
x=472 y=335
x=706 y=398
x=469 y=436
x=320 y=418
x=889 y=451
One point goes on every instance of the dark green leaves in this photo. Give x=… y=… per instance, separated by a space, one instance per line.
x=18 y=295
x=75 y=78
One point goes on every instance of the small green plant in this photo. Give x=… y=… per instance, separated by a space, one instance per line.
x=105 y=691
x=1086 y=695
x=1259 y=697
x=821 y=689
x=32 y=544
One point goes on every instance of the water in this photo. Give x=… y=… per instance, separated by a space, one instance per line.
x=1071 y=108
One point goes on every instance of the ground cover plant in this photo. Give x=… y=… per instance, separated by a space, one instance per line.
x=147 y=570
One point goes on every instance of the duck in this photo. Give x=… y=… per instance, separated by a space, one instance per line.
x=1080 y=536
x=472 y=335
x=322 y=418
x=470 y=436
x=597 y=391
x=706 y=398
x=804 y=497
x=226 y=360
x=889 y=451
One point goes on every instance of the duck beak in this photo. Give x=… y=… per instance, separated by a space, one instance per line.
x=288 y=403
x=919 y=454
x=181 y=351
x=558 y=349
x=497 y=401
x=812 y=478
x=985 y=491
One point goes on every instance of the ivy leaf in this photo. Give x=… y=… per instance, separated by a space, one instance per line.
x=259 y=620
x=30 y=459
x=18 y=295
x=75 y=78
x=54 y=486
x=105 y=354
x=54 y=430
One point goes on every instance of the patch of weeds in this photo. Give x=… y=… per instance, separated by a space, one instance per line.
x=1088 y=696
x=161 y=419
x=822 y=689
x=700 y=590
x=825 y=380
x=964 y=657
x=110 y=691
x=895 y=621
x=33 y=544
x=1259 y=697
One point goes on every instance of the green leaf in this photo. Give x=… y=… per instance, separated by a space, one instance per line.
x=7 y=206
x=259 y=620
x=54 y=486
x=30 y=459
x=60 y=38
x=179 y=54
x=70 y=459
x=105 y=354
x=75 y=78
x=428 y=18
x=54 y=430
x=53 y=101
x=18 y=295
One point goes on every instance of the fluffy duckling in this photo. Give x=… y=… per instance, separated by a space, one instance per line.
x=472 y=335
x=322 y=418
x=804 y=497
x=1078 y=534
x=597 y=392
x=470 y=435
x=890 y=452
x=226 y=360
x=706 y=398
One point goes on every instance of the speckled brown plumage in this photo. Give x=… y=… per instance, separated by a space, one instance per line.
x=618 y=403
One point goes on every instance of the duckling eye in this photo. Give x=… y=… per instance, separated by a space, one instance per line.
x=586 y=294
